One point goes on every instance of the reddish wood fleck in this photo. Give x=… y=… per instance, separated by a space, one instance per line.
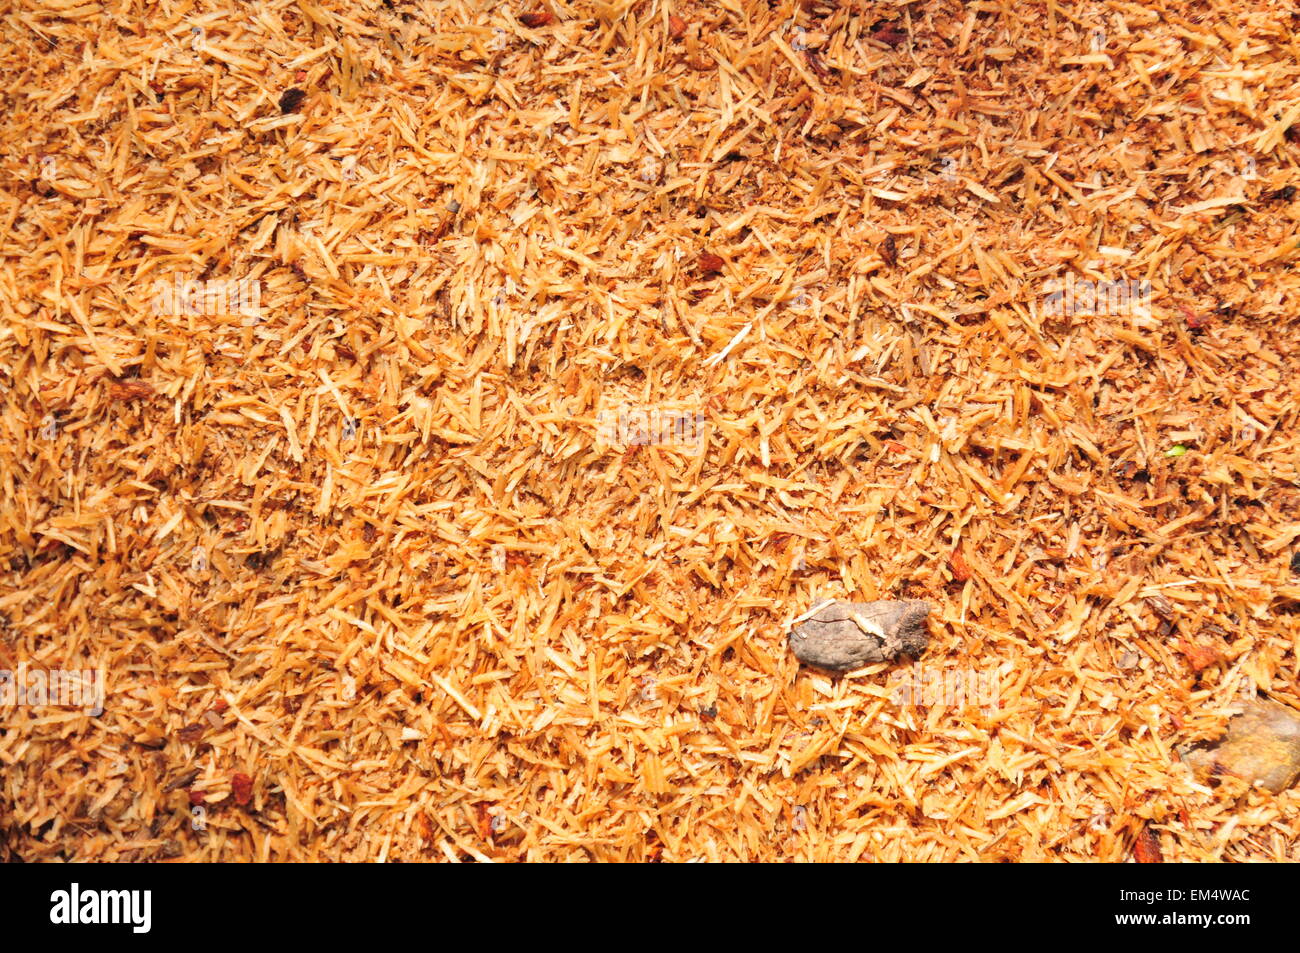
x=426 y=827
x=676 y=26
x=1146 y=850
x=242 y=787
x=889 y=33
x=482 y=821
x=1195 y=320
x=1199 y=655
x=535 y=20
x=710 y=264
x=129 y=390
x=957 y=563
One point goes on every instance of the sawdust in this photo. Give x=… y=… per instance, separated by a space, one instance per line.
x=431 y=458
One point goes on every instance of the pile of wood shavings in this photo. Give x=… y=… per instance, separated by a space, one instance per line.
x=365 y=580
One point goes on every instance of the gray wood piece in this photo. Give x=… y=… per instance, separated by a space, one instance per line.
x=834 y=639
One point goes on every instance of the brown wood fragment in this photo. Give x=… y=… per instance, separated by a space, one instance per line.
x=710 y=264
x=128 y=390
x=1146 y=849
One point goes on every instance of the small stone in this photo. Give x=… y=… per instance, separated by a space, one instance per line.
x=846 y=635
x=1262 y=746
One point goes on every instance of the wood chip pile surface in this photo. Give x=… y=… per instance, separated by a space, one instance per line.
x=428 y=417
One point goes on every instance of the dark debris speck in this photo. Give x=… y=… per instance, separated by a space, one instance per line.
x=291 y=99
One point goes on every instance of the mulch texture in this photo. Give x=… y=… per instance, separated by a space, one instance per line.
x=429 y=417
